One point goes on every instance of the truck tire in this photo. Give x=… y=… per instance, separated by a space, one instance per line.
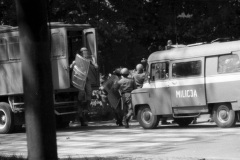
x=224 y=116
x=183 y=122
x=146 y=118
x=6 y=118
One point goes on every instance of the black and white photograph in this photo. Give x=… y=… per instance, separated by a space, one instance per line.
x=119 y=79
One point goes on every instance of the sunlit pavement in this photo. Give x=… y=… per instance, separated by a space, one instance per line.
x=201 y=141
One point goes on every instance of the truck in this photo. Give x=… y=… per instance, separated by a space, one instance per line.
x=185 y=82
x=66 y=40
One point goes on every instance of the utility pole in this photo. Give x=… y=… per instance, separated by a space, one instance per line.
x=37 y=79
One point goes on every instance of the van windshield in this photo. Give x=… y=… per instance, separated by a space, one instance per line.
x=159 y=71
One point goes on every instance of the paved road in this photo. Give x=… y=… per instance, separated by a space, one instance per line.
x=196 y=142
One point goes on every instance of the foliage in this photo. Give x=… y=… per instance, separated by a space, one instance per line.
x=98 y=110
x=8 y=13
x=131 y=30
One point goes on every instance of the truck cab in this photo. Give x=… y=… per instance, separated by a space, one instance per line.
x=66 y=40
x=183 y=83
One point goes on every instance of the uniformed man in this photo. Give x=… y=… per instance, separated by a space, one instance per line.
x=139 y=76
x=118 y=111
x=125 y=85
x=144 y=63
x=84 y=96
x=169 y=45
x=117 y=107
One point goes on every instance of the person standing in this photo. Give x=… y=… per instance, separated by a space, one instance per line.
x=125 y=85
x=84 y=96
x=139 y=76
x=112 y=95
x=118 y=110
x=169 y=45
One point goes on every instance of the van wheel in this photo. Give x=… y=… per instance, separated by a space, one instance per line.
x=6 y=118
x=183 y=122
x=146 y=118
x=224 y=116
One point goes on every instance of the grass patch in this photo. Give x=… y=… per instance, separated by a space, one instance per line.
x=12 y=157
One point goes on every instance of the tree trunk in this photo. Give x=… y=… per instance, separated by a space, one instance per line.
x=37 y=79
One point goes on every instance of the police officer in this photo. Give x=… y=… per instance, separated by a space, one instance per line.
x=104 y=98
x=84 y=96
x=139 y=76
x=169 y=45
x=125 y=85
x=118 y=111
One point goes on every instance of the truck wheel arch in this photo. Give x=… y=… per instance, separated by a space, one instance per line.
x=138 y=106
x=140 y=97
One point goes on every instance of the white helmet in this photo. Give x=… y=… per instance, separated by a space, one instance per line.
x=125 y=71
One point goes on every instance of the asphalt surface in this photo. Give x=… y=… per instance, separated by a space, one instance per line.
x=201 y=141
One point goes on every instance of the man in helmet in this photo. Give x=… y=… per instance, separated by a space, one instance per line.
x=169 y=45
x=139 y=76
x=87 y=55
x=144 y=63
x=118 y=111
x=109 y=92
x=84 y=96
x=125 y=85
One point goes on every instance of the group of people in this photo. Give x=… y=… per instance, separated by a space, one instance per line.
x=125 y=83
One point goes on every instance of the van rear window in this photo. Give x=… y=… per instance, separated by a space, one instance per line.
x=186 y=69
x=228 y=63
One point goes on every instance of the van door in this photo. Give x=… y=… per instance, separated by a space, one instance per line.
x=90 y=42
x=159 y=93
x=59 y=57
x=187 y=83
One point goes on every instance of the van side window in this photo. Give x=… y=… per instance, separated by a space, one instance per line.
x=13 y=48
x=159 y=71
x=228 y=63
x=186 y=69
x=3 y=50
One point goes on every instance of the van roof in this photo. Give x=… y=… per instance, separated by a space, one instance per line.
x=204 y=50
x=5 y=28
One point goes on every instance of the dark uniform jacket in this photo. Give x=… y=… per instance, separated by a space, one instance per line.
x=125 y=85
x=139 y=79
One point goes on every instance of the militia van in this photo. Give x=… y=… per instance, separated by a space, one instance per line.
x=183 y=83
x=66 y=40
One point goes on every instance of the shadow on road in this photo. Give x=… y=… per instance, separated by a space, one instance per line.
x=110 y=125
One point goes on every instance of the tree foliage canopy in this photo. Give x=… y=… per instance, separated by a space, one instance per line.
x=131 y=29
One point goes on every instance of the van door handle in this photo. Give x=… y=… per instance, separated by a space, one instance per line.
x=174 y=82
x=66 y=68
